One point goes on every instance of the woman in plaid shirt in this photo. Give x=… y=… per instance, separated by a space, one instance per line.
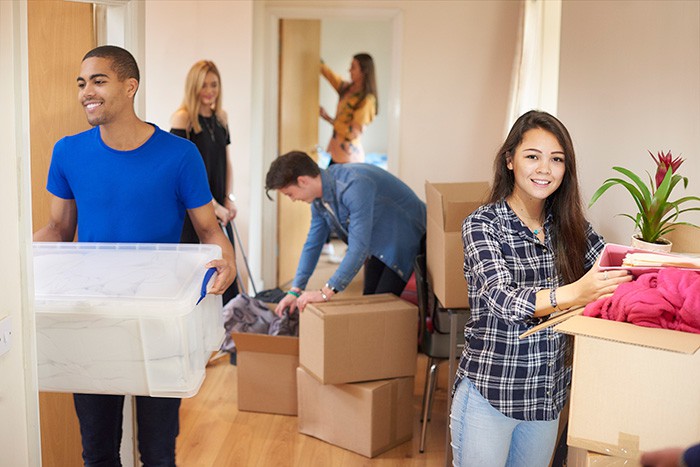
x=527 y=254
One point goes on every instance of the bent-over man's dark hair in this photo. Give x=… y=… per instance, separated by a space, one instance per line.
x=285 y=170
x=123 y=63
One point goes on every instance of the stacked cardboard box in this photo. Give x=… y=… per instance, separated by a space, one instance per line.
x=448 y=204
x=634 y=389
x=355 y=382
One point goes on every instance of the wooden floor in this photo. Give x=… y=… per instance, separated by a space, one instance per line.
x=214 y=433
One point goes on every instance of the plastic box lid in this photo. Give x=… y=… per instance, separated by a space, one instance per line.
x=143 y=279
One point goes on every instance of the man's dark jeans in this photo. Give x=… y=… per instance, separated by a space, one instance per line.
x=100 y=419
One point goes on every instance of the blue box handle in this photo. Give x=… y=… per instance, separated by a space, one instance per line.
x=207 y=276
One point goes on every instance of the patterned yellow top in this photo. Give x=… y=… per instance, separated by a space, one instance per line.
x=352 y=114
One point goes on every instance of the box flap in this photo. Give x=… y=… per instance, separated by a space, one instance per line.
x=554 y=319
x=450 y=203
x=362 y=304
x=664 y=339
x=263 y=343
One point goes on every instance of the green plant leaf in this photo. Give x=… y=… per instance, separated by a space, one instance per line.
x=646 y=194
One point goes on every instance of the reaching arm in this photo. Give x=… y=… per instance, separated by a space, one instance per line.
x=332 y=77
x=209 y=231
x=63 y=219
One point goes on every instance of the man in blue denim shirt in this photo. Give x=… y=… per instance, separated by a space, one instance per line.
x=379 y=217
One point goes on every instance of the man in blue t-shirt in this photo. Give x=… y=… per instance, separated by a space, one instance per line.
x=126 y=180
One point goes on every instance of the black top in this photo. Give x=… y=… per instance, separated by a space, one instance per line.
x=211 y=142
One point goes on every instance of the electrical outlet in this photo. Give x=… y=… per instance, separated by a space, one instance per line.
x=5 y=334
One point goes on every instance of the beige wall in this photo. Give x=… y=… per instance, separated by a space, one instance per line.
x=454 y=79
x=457 y=60
x=179 y=33
x=630 y=82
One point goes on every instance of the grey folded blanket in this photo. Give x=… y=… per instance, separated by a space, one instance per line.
x=246 y=314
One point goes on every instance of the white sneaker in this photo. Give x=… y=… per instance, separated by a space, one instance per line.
x=335 y=259
x=328 y=249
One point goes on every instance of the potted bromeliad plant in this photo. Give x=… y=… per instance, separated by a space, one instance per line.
x=657 y=215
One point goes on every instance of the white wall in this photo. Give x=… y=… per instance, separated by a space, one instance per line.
x=19 y=430
x=630 y=82
x=179 y=33
x=341 y=39
x=454 y=81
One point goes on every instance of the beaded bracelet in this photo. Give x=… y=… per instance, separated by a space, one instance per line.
x=553 y=298
x=291 y=292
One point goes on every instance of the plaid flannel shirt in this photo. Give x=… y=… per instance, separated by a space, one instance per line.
x=505 y=265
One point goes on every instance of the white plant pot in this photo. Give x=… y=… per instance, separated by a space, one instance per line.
x=658 y=247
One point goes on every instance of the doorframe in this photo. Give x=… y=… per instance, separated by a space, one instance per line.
x=123 y=23
x=15 y=134
x=270 y=22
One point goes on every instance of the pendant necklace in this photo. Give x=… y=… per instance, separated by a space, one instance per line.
x=539 y=223
x=209 y=128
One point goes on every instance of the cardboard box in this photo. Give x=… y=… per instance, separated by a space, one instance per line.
x=367 y=418
x=634 y=389
x=266 y=367
x=578 y=457
x=685 y=239
x=360 y=339
x=448 y=204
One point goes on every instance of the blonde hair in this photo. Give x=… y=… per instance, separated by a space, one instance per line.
x=194 y=83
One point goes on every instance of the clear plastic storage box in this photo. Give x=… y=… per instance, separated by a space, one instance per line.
x=124 y=318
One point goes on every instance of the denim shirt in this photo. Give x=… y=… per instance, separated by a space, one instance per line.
x=381 y=215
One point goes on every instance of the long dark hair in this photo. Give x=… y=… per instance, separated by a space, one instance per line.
x=569 y=223
x=369 y=83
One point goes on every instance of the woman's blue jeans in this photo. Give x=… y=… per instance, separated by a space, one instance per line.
x=100 y=418
x=484 y=437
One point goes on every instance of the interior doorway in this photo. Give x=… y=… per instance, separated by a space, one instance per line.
x=341 y=39
x=382 y=27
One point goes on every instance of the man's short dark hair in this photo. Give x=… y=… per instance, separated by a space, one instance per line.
x=123 y=63
x=285 y=170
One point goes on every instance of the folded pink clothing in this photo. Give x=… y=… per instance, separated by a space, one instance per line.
x=668 y=298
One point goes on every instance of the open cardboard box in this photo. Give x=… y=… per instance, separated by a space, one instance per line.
x=634 y=389
x=448 y=204
x=266 y=367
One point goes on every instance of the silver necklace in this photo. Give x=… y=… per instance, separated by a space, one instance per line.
x=209 y=128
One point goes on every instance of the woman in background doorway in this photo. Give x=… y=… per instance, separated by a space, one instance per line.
x=357 y=107
x=201 y=120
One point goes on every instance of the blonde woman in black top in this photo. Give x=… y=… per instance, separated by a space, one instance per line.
x=201 y=119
